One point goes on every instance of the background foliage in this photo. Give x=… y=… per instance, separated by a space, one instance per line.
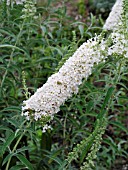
x=36 y=46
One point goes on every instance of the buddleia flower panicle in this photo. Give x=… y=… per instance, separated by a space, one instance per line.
x=62 y=85
x=114 y=18
x=119 y=36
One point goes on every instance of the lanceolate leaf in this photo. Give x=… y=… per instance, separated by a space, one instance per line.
x=17 y=167
x=7 y=158
x=106 y=100
x=119 y=125
x=5 y=128
x=13 y=47
x=108 y=96
x=25 y=161
x=8 y=142
x=11 y=108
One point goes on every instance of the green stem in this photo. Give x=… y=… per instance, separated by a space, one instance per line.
x=8 y=163
x=7 y=167
x=64 y=131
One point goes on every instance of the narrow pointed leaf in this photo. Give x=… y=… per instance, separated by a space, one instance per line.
x=8 y=142
x=25 y=161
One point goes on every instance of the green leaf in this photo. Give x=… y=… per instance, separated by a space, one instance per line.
x=10 y=46
x=119 y=125
x=8 y=142
x=24 y=148
x=5 y=128
x=58 y=50
x=14 y=122
x=12 y=108
x=54 y=157
x=17 y=167
x=108 y=96
x=13 y=47
x=110 y=142
x=2 y=139
x=81 y=28
x=7 y=33
x=80 y=107
x=106 y=100
x=25 y=161
x=7 y=158
x=90 y=106
x=123 y=85
x=47 y=58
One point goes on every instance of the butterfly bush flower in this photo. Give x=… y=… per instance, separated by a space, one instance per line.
x=118 y=37
x=114 y=18
x=62 y=85
x=119 y=44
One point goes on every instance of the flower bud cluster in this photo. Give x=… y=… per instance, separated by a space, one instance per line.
x=92 y=155
x=29 y=9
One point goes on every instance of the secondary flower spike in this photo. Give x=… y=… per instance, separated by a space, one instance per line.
x=114 y=18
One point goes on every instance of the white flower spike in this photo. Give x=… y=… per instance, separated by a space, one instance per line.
x=62 y=85
x=114 y=18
